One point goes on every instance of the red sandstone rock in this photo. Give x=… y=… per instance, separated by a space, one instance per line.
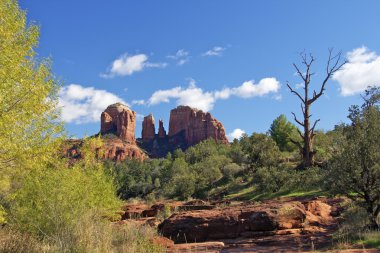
x=209 y=247
x=120 y=120
x=118 y=150
x=196 y=124
x=242 y=221
x=161 y=129
x=148 y=128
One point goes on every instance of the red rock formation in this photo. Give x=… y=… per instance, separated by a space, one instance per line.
x=118 y=150
x=148 y=128
x=196 y=124
x=266 y=219
x=120 y=120
x=161 y=129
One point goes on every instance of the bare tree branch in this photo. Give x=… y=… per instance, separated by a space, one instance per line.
x=295 y=118
x=295 y=92
x=315 y=123
x=299 y=72
x=337 y=65
x=300 y=134
x=296 y=143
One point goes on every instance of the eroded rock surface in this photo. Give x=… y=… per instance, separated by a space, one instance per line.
x=265 y=219
x=148 y=128
x=187 y=127
x=196 y=125
x=118 y=119
x=161 y=129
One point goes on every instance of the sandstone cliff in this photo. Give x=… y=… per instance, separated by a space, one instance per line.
x=118 y=119
x=148 y=128
x=187 y=127
x=196 y=125
x=117 y=128
x=161 y=130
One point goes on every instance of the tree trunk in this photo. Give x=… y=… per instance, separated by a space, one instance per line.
x=373 y=215
x=306 y=147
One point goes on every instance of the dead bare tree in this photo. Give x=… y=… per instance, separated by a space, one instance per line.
x=334 y=64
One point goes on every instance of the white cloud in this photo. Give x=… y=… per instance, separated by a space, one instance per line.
x=235 y=134
x=249 y=89
x=299 y=85
x=192 y=96
x=361 y=71
x=215 y=51
x=126 y=65
x=195 y=97
x=139 y=117
x=138 y=102
x=181 y=56
x=84 y=104
x=277 y=97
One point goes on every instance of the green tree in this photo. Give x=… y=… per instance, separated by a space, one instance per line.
x=282 y=131
x=261 y=151
x=29 y=121
x=356 y=171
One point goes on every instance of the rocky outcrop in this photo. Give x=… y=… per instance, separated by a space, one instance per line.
x=187 y=127
x=266 y=219
x=194 y=126
x=161 y=130
x=148 y=128
x=117 y=150
x=118 y=119
x=117 y=128
x=118 y=124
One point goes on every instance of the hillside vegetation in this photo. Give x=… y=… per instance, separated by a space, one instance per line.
x=48 y=204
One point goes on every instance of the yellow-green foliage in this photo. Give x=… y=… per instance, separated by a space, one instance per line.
x=89 y=235
x=52 y=199
x=28 y=97
x=28 y=101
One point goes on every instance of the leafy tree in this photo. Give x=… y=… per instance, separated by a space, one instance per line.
x=356 y=171
x=282 y=131
x=28 y=98
x=261 y=151
x=328 y=144
x=183 y=181
x=236 y=153
x=29 y=121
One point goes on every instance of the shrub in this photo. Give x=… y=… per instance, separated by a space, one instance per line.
x=231 y=170
x=52 y=202
x=272 y=179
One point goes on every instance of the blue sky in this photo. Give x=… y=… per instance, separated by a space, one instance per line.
x=230 y=57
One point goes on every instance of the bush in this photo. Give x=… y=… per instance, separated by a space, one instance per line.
x=91 y=235
x=272 y=179
x=52 y=203
x=12 y=241
x=231 y=170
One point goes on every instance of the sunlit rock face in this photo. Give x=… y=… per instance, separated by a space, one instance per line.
x=148 y=128
x=196 y=125
x=118 y=119
x=187 y=127
x=118 y=124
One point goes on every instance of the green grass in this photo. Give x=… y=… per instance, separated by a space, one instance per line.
x=370 y=239
x=249 y=192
